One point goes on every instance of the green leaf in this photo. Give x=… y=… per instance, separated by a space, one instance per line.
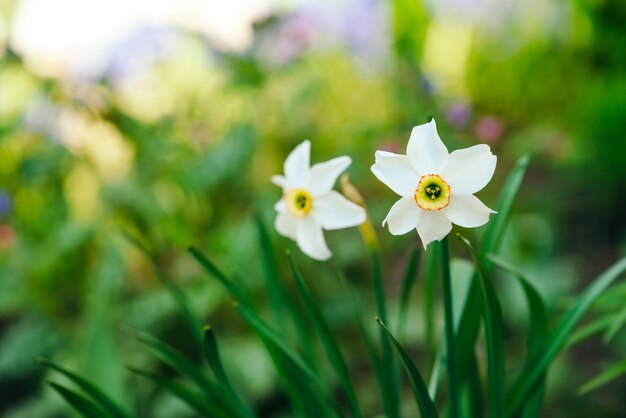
x=82 y=405
x=420 y=391
x=492 y=317
x=410 y=275
x=451 y=352
x=280 y=301
x=430 y=278
x=390 y=385
x=538 y=331
x=613 y=372
x=331 y=348
x=186 y=367
x=499 y=221
x=110 y=407
x=590 y=330
x=558 y=338
x=192 y=398
x=470 y=317
x=234 y=288
x=212 y=355
x=177 y=294
x=296 y=367
x=616 y=325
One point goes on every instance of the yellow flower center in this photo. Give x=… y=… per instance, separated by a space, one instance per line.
x=432 y=193
x=299 y=202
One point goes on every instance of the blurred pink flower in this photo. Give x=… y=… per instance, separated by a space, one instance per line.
x=489 y=129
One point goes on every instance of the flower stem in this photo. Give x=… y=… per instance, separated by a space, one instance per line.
x=449 y=329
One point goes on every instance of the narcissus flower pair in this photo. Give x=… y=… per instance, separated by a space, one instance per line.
x=436 y=188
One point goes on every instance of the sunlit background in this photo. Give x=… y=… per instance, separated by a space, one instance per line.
x=163 y=120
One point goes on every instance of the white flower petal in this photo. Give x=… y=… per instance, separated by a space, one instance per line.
x=311 y=240
x=434 y=226
x=467 y=211
x=324 y=175
x=333 y=211
x=279 y=180
x=280 y=206
x=396 y=172
x=427 y=153
x=470 y=169
x=404 y=216
x=287 y=225
x=297 y=165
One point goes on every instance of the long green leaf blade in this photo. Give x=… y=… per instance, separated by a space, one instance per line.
x=333 y=353
x=280 y=301
x=234 y=288
x=410 y=276
x=390 y=384
x=173 y=289
x=186 y=367
x=494 y=233
x=558 y=338
x=538 y=331
x=274 y=342
x=212 y=355
x=90 y=389
x=492 y=317
x=420 y=391
x=611 y=373
x=82 y=405
x=192 y=398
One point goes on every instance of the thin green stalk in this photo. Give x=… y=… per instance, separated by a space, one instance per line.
x=449 y=329
x=430 y=276
x=392 y=402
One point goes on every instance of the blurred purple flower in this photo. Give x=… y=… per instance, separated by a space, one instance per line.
x=489 y=129
x=5 y=203
x=361 y=26
x=138 y=51
x=42 y=116
x=459 y=114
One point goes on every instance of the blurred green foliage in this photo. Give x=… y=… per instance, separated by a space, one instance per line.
x=180 y=152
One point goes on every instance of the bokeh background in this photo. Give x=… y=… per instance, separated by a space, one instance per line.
x=164 y=120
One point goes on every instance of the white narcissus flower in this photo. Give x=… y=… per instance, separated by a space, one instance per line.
x=436 y=188
x=309 y=204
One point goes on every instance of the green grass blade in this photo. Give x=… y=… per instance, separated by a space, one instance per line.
x=589 y=330
x=192 y=398
x=377 y=364
x=174 y=290
x=187 y=368
x=496 y=227
x=558 y=338
x=110 y=407
x=296 y=367
x=538 y=331
x=281 y=301
x=494 y=233
x=391 y=400
x=430 y=278
x=82 y=405
x=451 y=352
x=611 y=373
x=235 y=289
x=410 y=276
x=212 y=355
x=331 y=348
x=278 y=300
x=436 y=375
x=616 y=325
x=420 y=391
x=492 y=317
